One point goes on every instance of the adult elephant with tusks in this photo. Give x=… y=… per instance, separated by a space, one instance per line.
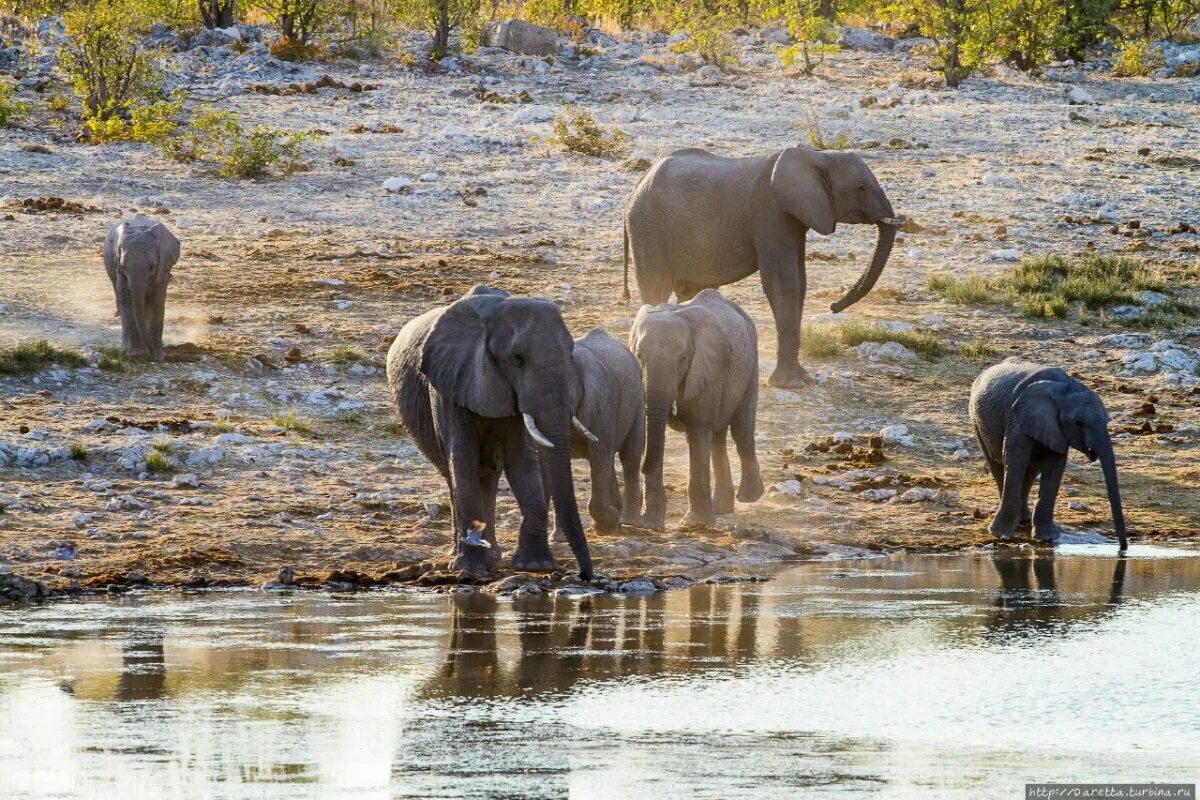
x=699 y=221
x=482 y=387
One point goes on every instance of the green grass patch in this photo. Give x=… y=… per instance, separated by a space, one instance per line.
x=855 y=332
x=977 y=350
x=395 y=428
x=222 y=426
x=163 y=446
x=78 y=451
x=158 y=463
x=28 y=357
x=292 y=421
x=820 y=341
x=351 y=355
x=113 y=359
x=972 y=290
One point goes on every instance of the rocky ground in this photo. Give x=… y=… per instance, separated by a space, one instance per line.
x=272 y=409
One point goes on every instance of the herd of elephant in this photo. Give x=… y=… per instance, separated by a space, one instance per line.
x=493 y=385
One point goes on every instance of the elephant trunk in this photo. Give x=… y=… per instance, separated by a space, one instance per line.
x=658 y=409
x=883 y=249
x=140 y=333
x=555 y=425
x=1108 y=462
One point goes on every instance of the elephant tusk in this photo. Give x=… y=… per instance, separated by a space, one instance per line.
x=579 y=426
x=893 y=221
x=537 y=435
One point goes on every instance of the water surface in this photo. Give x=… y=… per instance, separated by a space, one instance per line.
x=911 y=676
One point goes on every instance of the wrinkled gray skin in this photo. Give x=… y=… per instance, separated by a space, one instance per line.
x=700 y=358
x=1027 y=418
x=697 y=220
x=138 y=255
x=611 y=405
x=461 y=377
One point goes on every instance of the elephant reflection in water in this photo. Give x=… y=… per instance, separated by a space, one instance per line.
x=1029 y=594
x=143 y=668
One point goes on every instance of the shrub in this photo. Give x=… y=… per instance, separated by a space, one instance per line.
x=154 y=123
x=578 y=132
x=299 y=20
x=11 y=109
x=113 y=359
x=1137 y=60
x=439 y=18
x=78 y=451
x=1047 y=285
x=707 y=34
x=104 y=60
x=218 y=136
x=811 y=128
x=815 y=38
x=285 y=48
x=22 y=359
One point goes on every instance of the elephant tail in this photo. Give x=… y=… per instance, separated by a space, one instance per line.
x=625 y=232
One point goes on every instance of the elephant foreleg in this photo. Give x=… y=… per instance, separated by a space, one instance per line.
x=156 y=307
x=605 y=513
x=700 y=510
x=525 y=480
x=723 y=493
x=631 y=456
x=474 y=548
x=1043 y=516
x=1012 y=494
x=784 y=283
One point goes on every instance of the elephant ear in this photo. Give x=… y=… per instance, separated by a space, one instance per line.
x=456 y=360
x=1035 y=413
x=710 y=353
x=168 y=247
x=801 y=187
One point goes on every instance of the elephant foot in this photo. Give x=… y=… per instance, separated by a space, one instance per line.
x=607 y=522
x=654 y=520
x=790 y=376
x=1046 y=533
x=534 y=559
x=723 y=503
x=1000 y=530
x=696 y=519
x=474 y=565
x=751 y=488
x=559 y=535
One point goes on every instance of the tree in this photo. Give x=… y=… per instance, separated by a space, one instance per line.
x=299 y=20
x=440 y=17
x=216 y=13
x=962 y=31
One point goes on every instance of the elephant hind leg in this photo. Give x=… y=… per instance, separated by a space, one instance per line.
x=723 y=490
x=631 y=461
x=750 y=488
x=604 y=503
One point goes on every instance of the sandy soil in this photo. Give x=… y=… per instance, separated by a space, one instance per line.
x=996 y=165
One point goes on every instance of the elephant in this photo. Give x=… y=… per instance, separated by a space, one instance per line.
x=138 y=255
x=1027 y=418
x=697 y=220
x=611 y=405
x=701 y=365
x=471 y=381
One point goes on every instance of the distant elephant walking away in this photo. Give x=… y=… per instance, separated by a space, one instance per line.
x=701 y=365
x=471 y=381
x=138 y=255
x=1027 y=418
x=611 y=405
x=699 y=221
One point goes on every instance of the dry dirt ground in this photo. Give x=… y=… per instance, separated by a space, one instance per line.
x=327 y=259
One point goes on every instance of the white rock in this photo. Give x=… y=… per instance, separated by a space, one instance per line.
x=234 y=438
x=878 y=495
x=917 y=494
x=532 y=114
x=187 y=480
x=398 y=183
x=790 y=486
x=1006 y=255
x=1151 y=299
x=1078 y=97
x=428 y=177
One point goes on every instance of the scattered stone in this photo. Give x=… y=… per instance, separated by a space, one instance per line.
x=19 y=589
x=519 y=36
x=1078 y=97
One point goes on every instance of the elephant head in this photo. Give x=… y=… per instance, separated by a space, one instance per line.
x=139 y=255
x=1062 y=416
x=820 y=189
x=501 y=356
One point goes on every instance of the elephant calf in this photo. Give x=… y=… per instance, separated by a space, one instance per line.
x=138 y=255
x=611 y=405
x=701 y=364
x=1027 y=418
x=471 y=381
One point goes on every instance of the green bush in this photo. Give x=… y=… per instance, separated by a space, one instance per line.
x=977 y=350
x=578 y=131
x=1137 y=60
x=159 y=463
x=855 y=332
x=972 y=290
x=22 y=359
x=707 y=34
x=815 y=38
x=812 y=131
x=219 y=137
x=104 y=61
x=11 y=109
x=292 y=421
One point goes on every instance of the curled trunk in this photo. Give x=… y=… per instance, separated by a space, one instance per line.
x=883 y=249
